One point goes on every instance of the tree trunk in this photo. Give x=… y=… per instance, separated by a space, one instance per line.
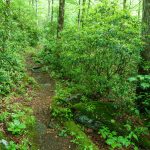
x=83 y=12
x=79 y=14
x=36 y=1
x=143 y=94
x=49 y=9
x=89 y=4
x=124 y=4
x=61 y=17
x=146 y=30
x=52 y=10
x=32 y=3
x=139 y=10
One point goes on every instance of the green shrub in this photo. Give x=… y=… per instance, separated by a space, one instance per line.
x=100 y=56
x=12 y=72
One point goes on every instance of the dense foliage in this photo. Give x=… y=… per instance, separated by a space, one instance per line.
x=18 y=30
x=100 y=57
x=98 y=65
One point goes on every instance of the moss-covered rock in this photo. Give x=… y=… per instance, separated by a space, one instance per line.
x=102 y=114
x=96 y=110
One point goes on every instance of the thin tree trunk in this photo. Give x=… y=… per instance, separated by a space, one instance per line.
x=52 y=10
x=139 y=10
x=32 y=3
x=146 y=30
x=89 y=4
x=36 y=1
x=61 y=17
x=142 y=94
x=79 y=14
x=83 y=12
x=124 y=4
x=49 y=9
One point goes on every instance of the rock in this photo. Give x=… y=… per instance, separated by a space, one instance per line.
x=74 y=98
x=89 y=130
x=51 y=125
x=88 y=122
x=4 y=143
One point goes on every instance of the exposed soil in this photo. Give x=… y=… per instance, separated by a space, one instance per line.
x=46 y=138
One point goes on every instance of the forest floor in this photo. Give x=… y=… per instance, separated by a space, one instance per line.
x=46 y=135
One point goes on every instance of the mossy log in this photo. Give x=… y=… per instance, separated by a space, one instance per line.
x=81 y=137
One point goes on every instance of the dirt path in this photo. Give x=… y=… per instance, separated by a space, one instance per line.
x=46 y=138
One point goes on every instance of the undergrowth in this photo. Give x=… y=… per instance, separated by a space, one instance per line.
x=18 y=30
x=97 y=66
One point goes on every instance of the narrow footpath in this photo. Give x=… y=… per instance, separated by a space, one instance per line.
x=46 y=137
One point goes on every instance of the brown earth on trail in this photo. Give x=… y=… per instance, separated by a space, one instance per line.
x=46 y=137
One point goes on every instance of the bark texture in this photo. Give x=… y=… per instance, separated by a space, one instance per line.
x=49 y=8
x=52 y=10
x=36 y=7
x=83 y=12
x=146 y=30
x=61 y=17
x=79 y=13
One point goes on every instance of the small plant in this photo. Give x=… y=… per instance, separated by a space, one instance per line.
x=63 y=133
x=11 y=146
x=24 y=145
x=90 y=108
x=3 y=116
x=116 y=141
x=88 y=147
x=16 y=127
x=76 y=139
x=63 y=113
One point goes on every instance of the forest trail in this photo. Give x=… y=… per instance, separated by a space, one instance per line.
x=45 y=138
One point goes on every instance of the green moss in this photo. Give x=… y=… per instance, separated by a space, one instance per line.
x=1 y=135
x=97 y=110
x=80 y=137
